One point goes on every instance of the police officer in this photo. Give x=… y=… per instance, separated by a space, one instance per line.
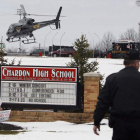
x=121 y=93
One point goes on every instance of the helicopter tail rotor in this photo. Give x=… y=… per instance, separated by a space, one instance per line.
x=23 y=10
x=57 y=23
x=58 y=15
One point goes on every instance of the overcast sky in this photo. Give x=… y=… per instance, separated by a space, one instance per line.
x=82 y=17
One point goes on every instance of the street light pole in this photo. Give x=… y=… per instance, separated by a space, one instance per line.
x=52 y=43
x=99 y=44
x=60 y=43
x=1 y=43
x=45 y=41
x=93 y=42
x=19 y=12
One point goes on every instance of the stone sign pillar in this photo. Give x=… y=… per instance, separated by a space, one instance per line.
x=91 y=91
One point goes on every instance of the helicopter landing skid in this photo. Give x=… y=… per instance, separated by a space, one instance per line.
x=29 y=41
x=12 y=40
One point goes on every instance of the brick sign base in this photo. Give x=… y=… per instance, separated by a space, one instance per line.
x=26 y=116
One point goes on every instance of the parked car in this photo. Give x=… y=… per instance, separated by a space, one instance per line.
x=37 y=51
x=98 y=53
x=63 y=52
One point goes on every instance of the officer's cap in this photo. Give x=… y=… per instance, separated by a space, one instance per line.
x=132 y=55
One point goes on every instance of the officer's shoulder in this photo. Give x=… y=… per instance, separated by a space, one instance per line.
x=112 y=76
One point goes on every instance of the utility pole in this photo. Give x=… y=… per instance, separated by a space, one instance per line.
x=139 y=32
x=93 y=43
x=60 y=43
x=99 y=44
x=19 y=12
x=1 y=41
x=44 y=42
x=52 y=43
x=39 y=45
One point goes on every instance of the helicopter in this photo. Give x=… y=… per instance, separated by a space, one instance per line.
x=25 y=27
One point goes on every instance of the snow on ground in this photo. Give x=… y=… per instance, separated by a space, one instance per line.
x=58 y=131
x=106 y=66
x=63 y=130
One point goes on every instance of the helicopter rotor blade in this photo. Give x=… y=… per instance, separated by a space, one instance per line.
x=6 y=15
x=26 y=14
x=43 y=15
x=23 y=9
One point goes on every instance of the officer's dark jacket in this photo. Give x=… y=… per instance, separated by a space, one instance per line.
x=121 y=92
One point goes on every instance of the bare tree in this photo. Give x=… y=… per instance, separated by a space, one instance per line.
x=11 y=50
x=107 y=40
x=15 y=50
x=130 y=34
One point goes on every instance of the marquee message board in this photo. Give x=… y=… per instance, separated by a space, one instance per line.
x=39 y=87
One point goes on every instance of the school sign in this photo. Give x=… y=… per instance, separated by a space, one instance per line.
x=40 y=87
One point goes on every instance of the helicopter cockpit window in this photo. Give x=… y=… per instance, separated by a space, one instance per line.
x=11 y=28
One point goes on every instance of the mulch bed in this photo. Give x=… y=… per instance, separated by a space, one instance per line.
x=4 y=126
